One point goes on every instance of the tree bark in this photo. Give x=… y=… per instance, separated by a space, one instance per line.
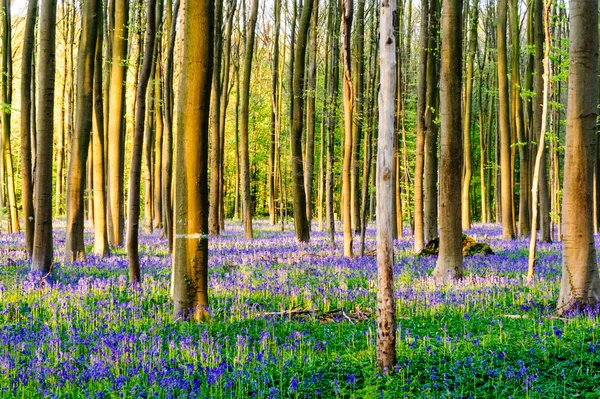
x=42 y=240
x=26 y=125
x=449 y=263
x=299 y=194
x=504 y=124
x=76 y=179
x=580 y=284
x=138 y=139
x=348 y=94
x=386 y=309
x=274 y=115
x=311 y=100
x=245 y=94
x=190 y=258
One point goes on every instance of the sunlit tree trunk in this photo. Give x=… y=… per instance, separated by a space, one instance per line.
x=274 y=114
x=580 y=284
x=42 y=240
x=26 y=125
x=467 y=159
x=116 y=123
x=215 y=136
x=348 y=95
x=504 y=125
x=190 y=258
x=386 y=309
x=298 y=192
x=76 y=178
x=449 y=263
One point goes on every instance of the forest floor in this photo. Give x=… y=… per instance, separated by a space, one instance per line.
x=292 y=321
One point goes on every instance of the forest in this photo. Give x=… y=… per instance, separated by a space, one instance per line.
x=299 y=199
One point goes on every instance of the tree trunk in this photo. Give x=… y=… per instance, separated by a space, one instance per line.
x=311 y=99
x=357 y=115
x=430 y=164
x=347 y=91
x=101 y=247
x=449 y=263
x=168 y=134
x=42 y=240
x=468 y=163
x=215 y=136
x=580 y=284
x=76 y=182
x=420 y=139
x=26 y=125
x=136 y=155
x=116 y=123
x=386 y=309
x=299 y=195
x=245 y=94
x=504 y=124
x=274 y=114
x=190 y=258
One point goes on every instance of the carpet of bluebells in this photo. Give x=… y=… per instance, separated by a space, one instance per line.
x=89 y=335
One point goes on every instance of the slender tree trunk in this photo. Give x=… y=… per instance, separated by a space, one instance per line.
x=348 y=94
x=245 y=94
x=541 y=142
x=504 y=123
x=215 y=136
x=580 y=284
x=99 y=167
x=334 y=51
x=76 y=182
x=420 y=139
x=430 y=162
x=274 y=115
x=26 y=125
x=386 y=309
x=116 y=123
x=190 y=258
x=449 y=264
x=298 y=192
x=168 y=134
x=42 y=240
x=311 y=100
x=138 y=139
x=468 y=163
x=357 y=124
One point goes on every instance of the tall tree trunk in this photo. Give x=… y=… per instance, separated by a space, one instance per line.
x=245 y=97
x=430 y=164
x=386 y=309
x=420 y=139
x=158 y=123
x=168 y=134
x=190 y=258
x=580 y=284
x=347 y=92
x=26 y=125
x=76 y=182
x=504 y=124
x=449 y=263
x=116 y=123
x=274 y=114
x=299 y=195
x=468 y=163
x=334 y=51
x=311 y=99
x=215 y=136
x=357 y=115
x=42 y=240
x=99 y=166
x=541 y=142
x=138 y=139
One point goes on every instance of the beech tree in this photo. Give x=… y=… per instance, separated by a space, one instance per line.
x=580 y=283
x=190 y=257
